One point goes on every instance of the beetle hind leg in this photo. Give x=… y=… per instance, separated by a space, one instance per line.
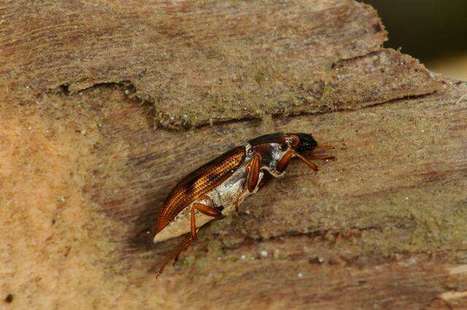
x=188 y=239
x=192 y=236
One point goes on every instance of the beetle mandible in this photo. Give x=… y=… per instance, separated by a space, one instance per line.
x=217 y=188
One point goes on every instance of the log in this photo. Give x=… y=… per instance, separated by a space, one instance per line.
x=105 y=106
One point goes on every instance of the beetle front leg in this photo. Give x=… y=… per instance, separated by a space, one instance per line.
x=306 y=161
x=284 y=162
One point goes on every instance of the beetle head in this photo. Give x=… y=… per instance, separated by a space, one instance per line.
x=301 y=142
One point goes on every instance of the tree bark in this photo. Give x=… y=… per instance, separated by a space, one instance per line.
x=106 y=106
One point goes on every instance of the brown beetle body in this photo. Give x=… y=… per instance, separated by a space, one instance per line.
x=220 y=186
x=220 y=193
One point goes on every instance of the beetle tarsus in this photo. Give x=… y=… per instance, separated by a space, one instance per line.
x=322 y=157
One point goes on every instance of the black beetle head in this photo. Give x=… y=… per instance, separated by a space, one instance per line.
x=305 y=142
x=300 y=142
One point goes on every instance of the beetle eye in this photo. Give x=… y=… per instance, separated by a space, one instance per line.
x=295 y=141
x=284 y=146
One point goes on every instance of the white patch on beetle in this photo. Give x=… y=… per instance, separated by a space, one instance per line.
x=276 y=156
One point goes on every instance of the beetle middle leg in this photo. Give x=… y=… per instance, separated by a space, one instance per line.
x=252 y=171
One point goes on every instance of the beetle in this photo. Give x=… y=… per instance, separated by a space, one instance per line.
x=217 y=188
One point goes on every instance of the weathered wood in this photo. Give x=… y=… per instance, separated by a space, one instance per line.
x=244 y=60
x=83 y=170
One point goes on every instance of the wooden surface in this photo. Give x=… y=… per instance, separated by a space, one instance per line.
x=105 y=107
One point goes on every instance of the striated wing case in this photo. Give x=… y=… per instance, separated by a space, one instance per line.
x=198 y=183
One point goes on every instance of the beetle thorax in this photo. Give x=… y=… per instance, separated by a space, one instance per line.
x=271 y=154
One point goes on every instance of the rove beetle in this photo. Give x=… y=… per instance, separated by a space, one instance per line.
x=217 y=188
